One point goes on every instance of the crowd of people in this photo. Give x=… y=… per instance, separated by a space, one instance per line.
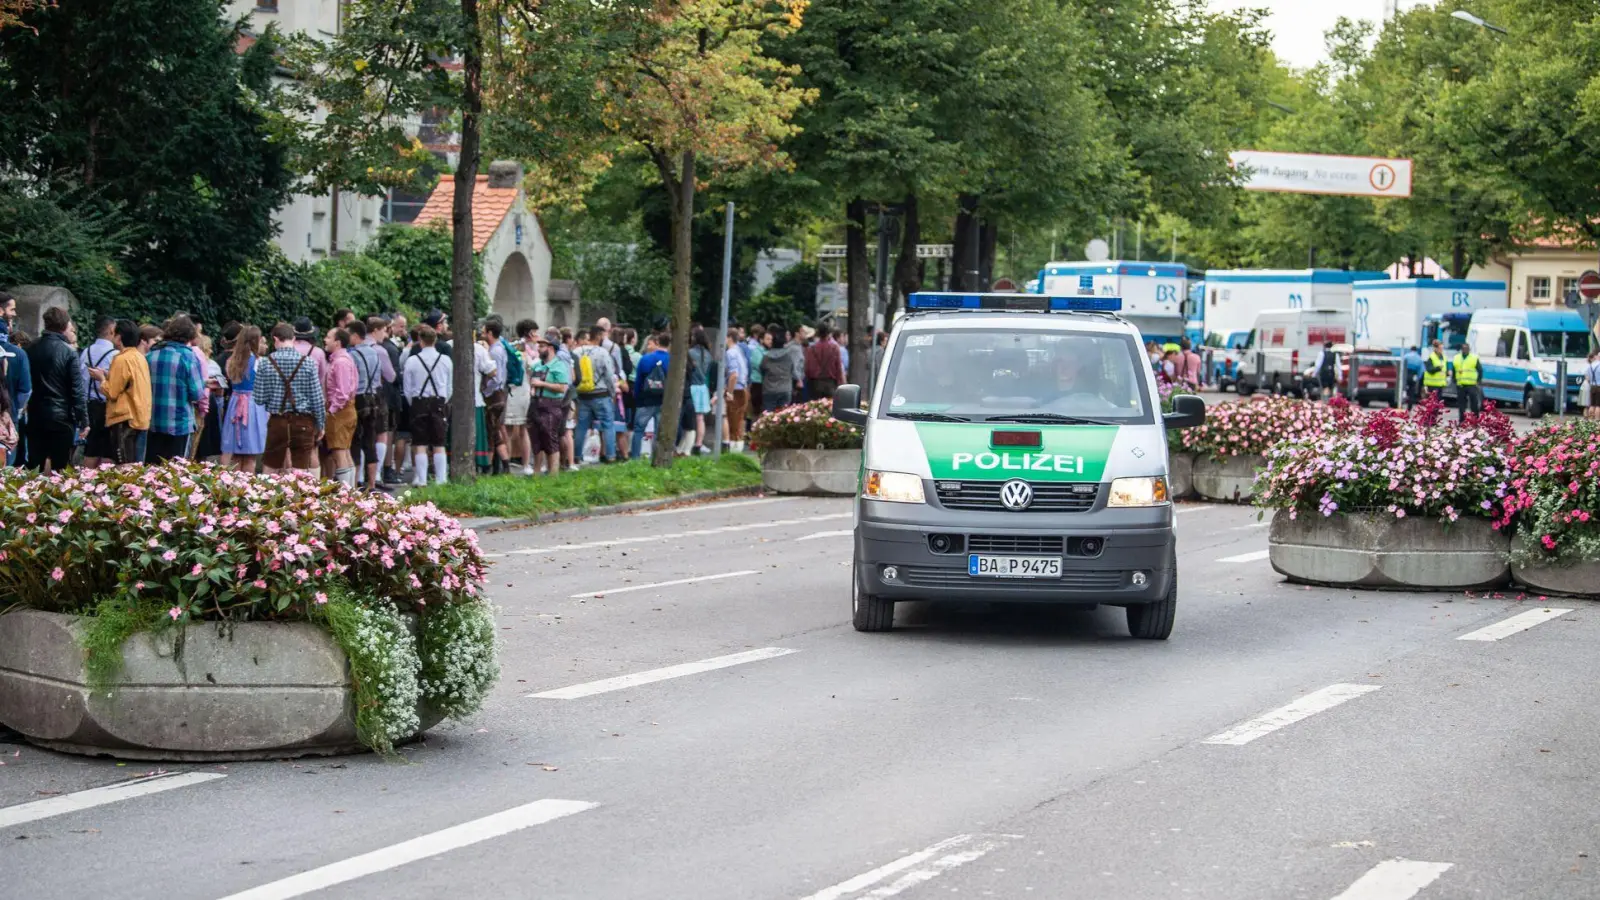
x=366 y=402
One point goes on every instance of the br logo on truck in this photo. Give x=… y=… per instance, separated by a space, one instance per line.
x=1460 y=298
x=1166 y=293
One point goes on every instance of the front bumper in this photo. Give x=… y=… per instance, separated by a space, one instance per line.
x=1135 y=540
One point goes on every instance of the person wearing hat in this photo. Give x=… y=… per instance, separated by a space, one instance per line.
x=548 y=379
x=308 y=342
x=440 y=323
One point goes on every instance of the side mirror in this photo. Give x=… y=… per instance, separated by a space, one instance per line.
x=1188 y=411
x=847 y=405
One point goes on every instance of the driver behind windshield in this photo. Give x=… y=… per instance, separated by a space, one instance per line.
x=1079 y=389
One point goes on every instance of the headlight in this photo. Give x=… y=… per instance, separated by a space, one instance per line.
x=1138 y=492
x=895 y=487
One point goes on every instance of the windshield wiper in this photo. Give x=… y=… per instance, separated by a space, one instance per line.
x=1047 y=419
x=927 y=417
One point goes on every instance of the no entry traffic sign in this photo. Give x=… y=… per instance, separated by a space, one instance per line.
x=1589 y=285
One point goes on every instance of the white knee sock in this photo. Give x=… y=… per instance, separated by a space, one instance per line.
x=382 y=451
x=419 y=463
x=441 y=466
x=346 y=477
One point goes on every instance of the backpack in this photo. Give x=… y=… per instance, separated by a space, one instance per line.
x=656 y=380
x=514 y=370
x=586 y=383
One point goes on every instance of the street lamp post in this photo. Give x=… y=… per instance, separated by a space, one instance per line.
x=1471 y=19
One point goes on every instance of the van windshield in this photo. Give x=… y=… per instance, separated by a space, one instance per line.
x=972 y=374
x=1570 y=344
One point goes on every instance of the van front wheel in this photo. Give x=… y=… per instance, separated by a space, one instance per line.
x=1531 y=404
x=1153 y=621
x=869 y=612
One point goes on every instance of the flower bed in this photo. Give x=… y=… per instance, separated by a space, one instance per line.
x=804 y=450
x=1229 y=446
x=157 y=549
x=804 y=426
x=1391 y=466
x=1554 y=505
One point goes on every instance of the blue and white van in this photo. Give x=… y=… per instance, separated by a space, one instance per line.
x=1519 y=349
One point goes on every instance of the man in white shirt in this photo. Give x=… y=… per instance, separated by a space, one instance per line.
x=427 y=377
x=97 y=448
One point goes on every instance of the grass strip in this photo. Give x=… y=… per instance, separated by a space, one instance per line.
x=517 y=496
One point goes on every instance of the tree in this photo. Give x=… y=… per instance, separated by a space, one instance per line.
x=688 y=84
x=144 y=110
x=11 y=11
x=421 y=260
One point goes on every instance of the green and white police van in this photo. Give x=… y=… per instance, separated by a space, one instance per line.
x=1015 y=451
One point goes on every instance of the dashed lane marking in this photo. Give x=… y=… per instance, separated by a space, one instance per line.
x=1253 y=556
x=81 y=800
x=1307 y=706
x=1394 y=879
x=923 y=866
x=1519 y=622
x=654 y=538
x=452 y=838
x=658 y=584
x=711 y=507
x=623 y=682
x=846 y=532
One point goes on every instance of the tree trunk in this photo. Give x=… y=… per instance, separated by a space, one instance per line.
x=679 y=182
x=988 y=243
x=908 y=268
x=965 y=258
x=1458 y=259
x=463 y=408
x=860 y=302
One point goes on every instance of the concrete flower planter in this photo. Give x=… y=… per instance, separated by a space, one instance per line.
x=1180 y=474
x=259 y=690
x=1370 y=550
x=833 y=472
x=1230 y=481
x=1580 y=579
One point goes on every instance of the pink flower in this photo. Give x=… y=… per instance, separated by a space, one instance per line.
x=175 y=612
x=170 y=555
x=259 y=585
x=65 y=516
x=197 y=570
x=321 y=598
x=57 y=574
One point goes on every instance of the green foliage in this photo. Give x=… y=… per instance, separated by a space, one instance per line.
x=270 y=289
x=420 y=261
x=513 y=496
x=460 y=662
x=107 y=627
x=356 y=281
x=804 y=426
x=43 y=241
x=791 y=300
x=144 y=110
x=383 y=666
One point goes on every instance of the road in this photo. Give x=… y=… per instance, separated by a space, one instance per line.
x=1286 y=743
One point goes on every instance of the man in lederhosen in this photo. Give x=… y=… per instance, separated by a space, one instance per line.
x=97 y=448
x=289 y=389
x=373 y=374
x=547 y=418
x=428 y=375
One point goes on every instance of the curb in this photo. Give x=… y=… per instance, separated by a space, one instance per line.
x=496 y=524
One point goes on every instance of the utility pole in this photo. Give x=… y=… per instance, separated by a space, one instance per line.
x=719 y=403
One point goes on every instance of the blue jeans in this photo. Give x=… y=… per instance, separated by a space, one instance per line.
x=641 y=417
x=599 y=412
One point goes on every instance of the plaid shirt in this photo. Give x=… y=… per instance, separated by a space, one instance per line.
x=304 y=388
x=176 y=384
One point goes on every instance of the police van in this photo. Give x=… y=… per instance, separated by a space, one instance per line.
x=1015 y=451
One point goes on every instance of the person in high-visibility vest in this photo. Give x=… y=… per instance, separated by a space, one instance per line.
x=1435 y=375
x=1468 y=369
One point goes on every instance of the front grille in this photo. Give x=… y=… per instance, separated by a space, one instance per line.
x=1072 y=580
x=1015 y=543
x=1047 y=496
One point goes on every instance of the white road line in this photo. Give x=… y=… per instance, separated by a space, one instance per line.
x=965 y=848
x=1519 y=622
x=80 y=800
x=1309 y=705
x=621 y=682
x=704 y=507
x=1394 y=879
x=452 y=838
x=1253 y=556
x=653 y=538
x=657 y=584
x=828 y=534
x=1252 y=525
x=1189 y=508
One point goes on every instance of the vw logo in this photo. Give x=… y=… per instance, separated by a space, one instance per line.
x=1016 y=495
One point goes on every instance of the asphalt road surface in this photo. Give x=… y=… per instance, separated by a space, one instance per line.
x=685 y=712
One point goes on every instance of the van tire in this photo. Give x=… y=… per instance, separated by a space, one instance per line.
x=1153 y=621
x=1244 y=388
x=1531 y=404
x=869 y=612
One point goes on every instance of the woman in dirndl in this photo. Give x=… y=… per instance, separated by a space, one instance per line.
x=244 y=428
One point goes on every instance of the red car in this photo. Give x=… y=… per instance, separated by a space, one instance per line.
x=1377 y=374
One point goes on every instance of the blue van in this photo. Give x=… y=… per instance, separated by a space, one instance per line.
x=1519 y=348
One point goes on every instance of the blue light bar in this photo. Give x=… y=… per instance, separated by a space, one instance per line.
x=1015 y=302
